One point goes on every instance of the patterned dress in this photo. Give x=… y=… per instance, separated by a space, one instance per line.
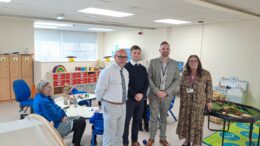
x=191 y=113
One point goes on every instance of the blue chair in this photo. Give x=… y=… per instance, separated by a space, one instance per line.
x=76 y=91
x=98 y=129
x=23 y=96
x=170 y=108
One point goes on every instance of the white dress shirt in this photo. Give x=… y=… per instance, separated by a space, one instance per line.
x=133 y=62
x=109 y=84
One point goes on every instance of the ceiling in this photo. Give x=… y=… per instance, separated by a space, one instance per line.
x=145 y=11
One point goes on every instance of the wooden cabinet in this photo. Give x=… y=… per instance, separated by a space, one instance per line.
x=27 y=65
x=72 y=78
x=5 y=89
x=4 y=66
x=27 y=69
x=13 y=67
x=4 y=78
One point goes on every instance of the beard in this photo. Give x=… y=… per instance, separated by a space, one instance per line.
x=165 y=54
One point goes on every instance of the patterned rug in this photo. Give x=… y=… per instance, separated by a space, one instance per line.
x=236 y=136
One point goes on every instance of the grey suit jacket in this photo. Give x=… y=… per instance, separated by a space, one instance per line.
x=172 y=85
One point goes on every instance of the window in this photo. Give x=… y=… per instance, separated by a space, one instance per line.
x=55 y=45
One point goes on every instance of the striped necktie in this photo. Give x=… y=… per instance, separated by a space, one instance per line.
x=123 y=86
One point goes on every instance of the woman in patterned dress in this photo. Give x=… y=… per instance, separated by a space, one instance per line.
x=196 y=94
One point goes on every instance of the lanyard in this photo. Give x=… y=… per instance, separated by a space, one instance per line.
x=192 y=80
x=164 y=68
x=163 y=75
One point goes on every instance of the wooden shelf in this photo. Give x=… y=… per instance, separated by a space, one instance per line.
x=58 y=80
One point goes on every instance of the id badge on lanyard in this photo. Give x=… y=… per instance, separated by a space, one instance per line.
x=190 y=89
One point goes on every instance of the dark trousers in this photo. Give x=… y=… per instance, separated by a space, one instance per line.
x=145 y=116
x=78 y=129
x=133 y=109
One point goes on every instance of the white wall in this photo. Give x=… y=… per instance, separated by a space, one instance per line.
x=149 y=41
x=185 y=41
x=227 y=49
x=100 y=45
x=16 y=35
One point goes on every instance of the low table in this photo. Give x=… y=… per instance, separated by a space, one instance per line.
x=85 y=97
x=218 y=111
x=76 y=110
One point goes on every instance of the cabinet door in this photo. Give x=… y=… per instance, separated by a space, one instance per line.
x=4 y=66
x=27 y=65
x=15 y=66
x=29 y=81
x=5 y=89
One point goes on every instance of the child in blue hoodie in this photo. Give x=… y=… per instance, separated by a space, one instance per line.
x=98 y=115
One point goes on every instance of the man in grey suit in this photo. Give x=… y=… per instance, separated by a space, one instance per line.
x=164 y=80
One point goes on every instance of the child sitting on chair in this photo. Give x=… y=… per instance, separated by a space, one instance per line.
x=68 y=91
x=68 y=99
x=97 y=116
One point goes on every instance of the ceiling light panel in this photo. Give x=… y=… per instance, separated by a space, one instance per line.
x=100 y=29
x=172 y=21
x=46 y=27
x=6 y=1
x=53 y=24
x=105 y=12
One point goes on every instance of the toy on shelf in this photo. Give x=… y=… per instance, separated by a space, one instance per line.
x=59 y=69
x=219 y=96
x=107 y=58
x=71 y=58
x=81 y=68
x=99 y=64
x=234 y=89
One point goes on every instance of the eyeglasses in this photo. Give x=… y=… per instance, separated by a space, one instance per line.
x=193 y=60
x=122 y=57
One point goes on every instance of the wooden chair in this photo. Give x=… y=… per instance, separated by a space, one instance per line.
x=50 y=127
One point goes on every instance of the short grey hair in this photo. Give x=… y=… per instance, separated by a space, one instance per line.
x=41 y=85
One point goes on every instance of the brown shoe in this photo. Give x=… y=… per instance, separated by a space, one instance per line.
x=164 y=142
x=150 y=142
x=136 y=144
